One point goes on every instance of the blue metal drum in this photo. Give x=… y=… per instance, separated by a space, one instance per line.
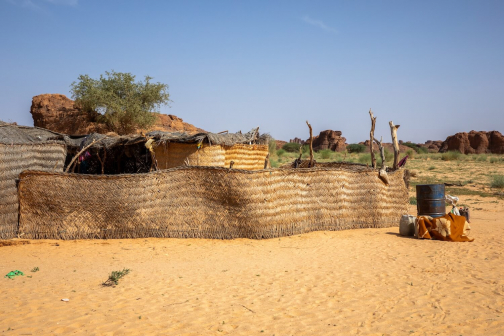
x=431 y=200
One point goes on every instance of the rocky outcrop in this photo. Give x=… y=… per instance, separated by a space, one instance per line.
x=329 y=140
x=298 y=141
x=60 y=114
x=474 y=143
x=432 y=146
x=57 y=113
x=280 y=143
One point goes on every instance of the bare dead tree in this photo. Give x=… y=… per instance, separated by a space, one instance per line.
x=393 y=131
x=371 y=138
x=311 y=143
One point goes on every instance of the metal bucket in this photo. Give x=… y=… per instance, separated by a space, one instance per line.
x=431 y=200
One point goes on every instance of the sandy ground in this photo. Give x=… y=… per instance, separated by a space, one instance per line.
x=357 y=282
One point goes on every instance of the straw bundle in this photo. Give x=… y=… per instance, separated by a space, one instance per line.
x=13 y=160
x=208 y=202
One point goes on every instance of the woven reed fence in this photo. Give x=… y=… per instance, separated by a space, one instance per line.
x=173 y=154
x=13 y=160
x=207 y=202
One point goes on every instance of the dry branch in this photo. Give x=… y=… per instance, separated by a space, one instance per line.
x=82 y=151
x=393 y=131
x=311 y=143
x=371 y=138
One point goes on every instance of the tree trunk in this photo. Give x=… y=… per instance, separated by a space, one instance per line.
x=371 y=138
x=311 y=143
x=393 y=131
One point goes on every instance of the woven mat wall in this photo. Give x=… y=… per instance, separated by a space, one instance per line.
x=248 y=157
x=207 y=202
x=13 y=160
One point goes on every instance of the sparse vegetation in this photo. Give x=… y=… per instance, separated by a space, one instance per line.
x=413 y=201
x=35 y=269
x=325 y=153
x=451 y=156
x=272 y=147
x=497 y=181
x=356 y=148
x=122 y=103
x=291 y=147
x=280 y=152
x=114 y=277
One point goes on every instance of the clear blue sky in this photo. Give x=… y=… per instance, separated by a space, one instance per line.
x=434 y=67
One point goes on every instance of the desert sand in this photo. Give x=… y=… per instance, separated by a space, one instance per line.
x=355 y=282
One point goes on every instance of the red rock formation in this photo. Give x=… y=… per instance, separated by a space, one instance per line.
x=432 y=146
x=474 y=143
x=298 y=141
x=329 y=140
x=280 y=143
x=60 y=114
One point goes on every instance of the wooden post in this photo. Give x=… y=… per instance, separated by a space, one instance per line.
x=266 y=162
x=102 y=161
x=311 y=143
x=393 y=131
x=371 y=138
x=382 y=151
x=382 y=174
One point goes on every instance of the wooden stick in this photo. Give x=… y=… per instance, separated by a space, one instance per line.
x=371 y=138
x=393 y=131
x=382 y=151
x=266 y=162
x=311 y=143
x=102 y=161
x=82 y=151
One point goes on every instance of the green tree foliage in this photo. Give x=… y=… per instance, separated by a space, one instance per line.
x=291 y=147
x=123 y=104
x=356 y=148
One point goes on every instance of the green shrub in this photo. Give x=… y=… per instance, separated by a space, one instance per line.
x=291 y=147
x=356 y=148
x=115 y=276
x=450 y=156
x=325 y=153
x=305 y=149
x=413 y=201
x=497 y=181
x=365 y=158
x=280 y=152
x=272 y=147
x=422 y=150
x=482 y=158
x=411 y=153
x=274 y=164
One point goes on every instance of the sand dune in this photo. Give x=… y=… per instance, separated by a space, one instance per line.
x=356 y=282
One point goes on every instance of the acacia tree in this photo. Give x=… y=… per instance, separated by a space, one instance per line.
x=123 y=104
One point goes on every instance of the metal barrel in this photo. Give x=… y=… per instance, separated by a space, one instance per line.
x=431 y=200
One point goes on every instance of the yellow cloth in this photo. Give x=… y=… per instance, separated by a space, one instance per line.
x=449 y=227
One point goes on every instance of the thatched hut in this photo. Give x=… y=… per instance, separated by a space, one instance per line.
x=133 y=154
x=247 y=151
x=23 y=148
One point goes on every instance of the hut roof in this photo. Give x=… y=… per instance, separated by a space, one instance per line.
x=228 y=139
x=14 y=134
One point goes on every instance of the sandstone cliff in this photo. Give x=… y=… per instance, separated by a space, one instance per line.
x=60 y=114
x=329 y=140
x=475 y=143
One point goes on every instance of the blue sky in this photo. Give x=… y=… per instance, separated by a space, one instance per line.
x=434 y=67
